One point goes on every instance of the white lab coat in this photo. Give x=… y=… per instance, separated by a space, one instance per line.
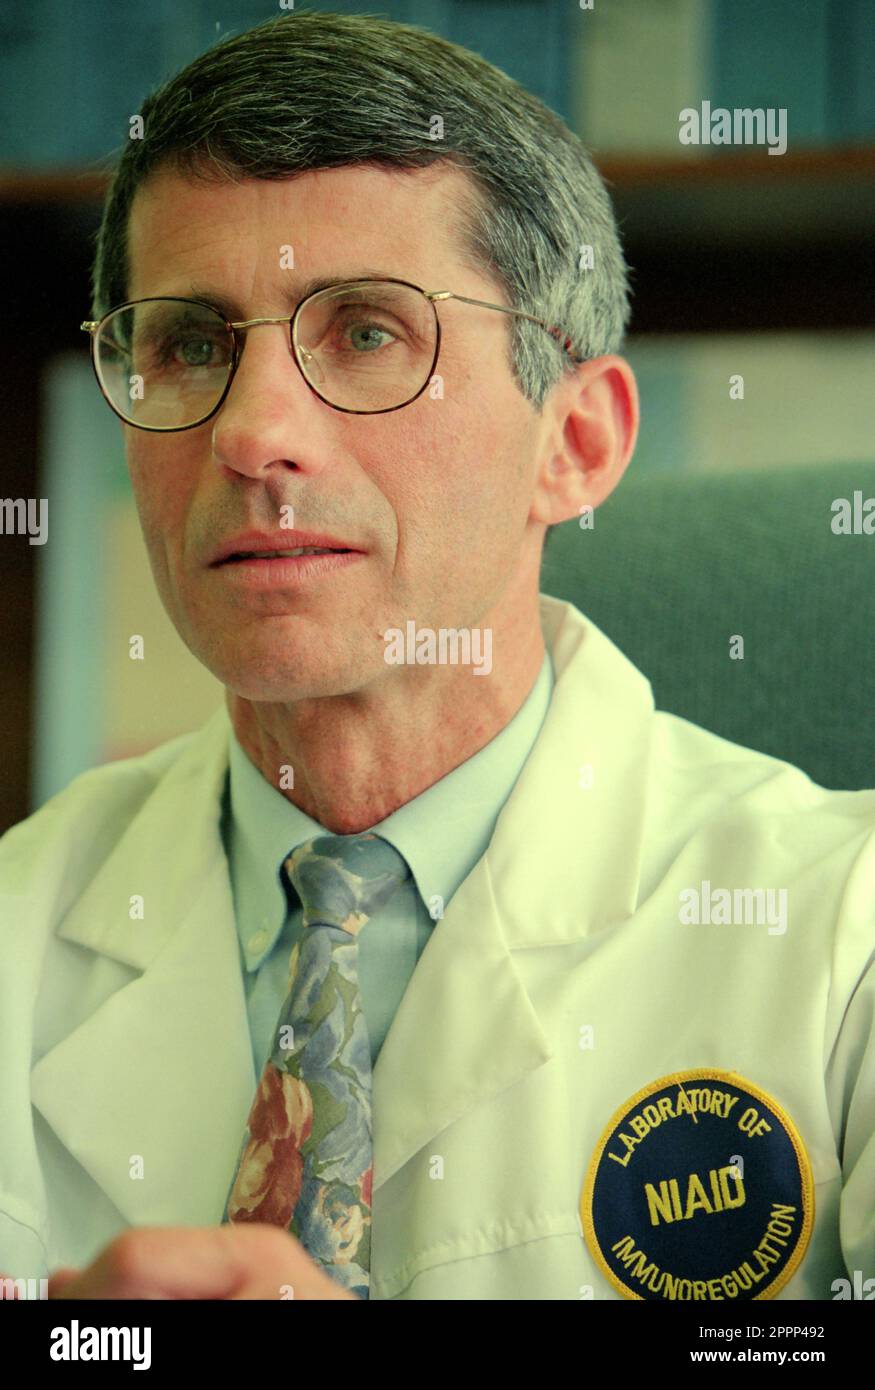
x=559 y=983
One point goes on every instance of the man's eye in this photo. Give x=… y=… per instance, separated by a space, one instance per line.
x=189 y=352
x=365 y=337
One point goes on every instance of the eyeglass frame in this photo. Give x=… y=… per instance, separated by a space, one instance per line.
x=92 y=326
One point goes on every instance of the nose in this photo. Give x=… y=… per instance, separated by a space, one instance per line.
x=270 y=415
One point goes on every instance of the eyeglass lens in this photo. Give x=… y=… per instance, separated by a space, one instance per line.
x=165 y=363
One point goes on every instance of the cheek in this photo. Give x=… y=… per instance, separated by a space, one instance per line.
x=434 y=453
x=460 y=502
x=142 y=468
x=156 y=475
x=161 y=506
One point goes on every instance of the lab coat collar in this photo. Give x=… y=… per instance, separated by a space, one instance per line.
x=566 y=852
x=563 y=863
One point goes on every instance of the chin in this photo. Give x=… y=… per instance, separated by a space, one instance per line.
x=280 y=682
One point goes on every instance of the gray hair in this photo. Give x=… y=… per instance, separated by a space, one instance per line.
x=310 y=90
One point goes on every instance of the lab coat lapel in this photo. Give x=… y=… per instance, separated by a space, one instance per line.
x=464 y=1029
x=163 y=1068
x=563 y=864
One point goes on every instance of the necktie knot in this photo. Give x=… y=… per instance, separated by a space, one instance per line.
x=342 y=880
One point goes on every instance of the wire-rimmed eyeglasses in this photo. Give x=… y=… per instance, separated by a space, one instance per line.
x=166 y=363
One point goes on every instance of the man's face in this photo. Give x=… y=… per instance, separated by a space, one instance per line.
x=437 y=494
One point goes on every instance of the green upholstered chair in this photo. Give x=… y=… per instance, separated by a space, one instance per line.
x=677 y=564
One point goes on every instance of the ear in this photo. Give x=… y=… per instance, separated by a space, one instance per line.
x=590 y=428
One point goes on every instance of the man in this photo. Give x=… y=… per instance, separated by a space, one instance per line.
x=404 y=977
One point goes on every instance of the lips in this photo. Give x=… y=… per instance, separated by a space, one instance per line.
x=258 y=544
x=262 y=572
x=284 y=554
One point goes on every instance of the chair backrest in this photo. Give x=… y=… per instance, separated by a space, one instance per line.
x=676 y=566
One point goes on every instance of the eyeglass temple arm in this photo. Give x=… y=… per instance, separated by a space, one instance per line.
x=561 y=338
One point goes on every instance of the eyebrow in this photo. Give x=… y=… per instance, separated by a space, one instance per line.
x=232 y=310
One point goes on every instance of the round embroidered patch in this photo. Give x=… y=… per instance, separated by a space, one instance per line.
x=699 y=1188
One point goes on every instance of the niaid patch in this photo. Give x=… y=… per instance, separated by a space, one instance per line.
x=699 y=1188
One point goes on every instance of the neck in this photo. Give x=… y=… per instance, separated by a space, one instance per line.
x=358 y=756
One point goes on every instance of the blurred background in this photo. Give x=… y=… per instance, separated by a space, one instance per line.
x=737 y=257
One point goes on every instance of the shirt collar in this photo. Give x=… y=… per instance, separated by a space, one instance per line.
x=442 y=833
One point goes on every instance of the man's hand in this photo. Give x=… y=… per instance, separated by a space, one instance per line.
x=184 y=1262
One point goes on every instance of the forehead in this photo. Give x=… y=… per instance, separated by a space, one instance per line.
x=402 y=222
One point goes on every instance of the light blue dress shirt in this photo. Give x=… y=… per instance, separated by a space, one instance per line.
x=442 y=833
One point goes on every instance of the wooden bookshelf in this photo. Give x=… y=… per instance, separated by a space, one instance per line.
x=740 y=165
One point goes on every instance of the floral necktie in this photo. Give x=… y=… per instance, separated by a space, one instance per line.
x=306 y=1162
